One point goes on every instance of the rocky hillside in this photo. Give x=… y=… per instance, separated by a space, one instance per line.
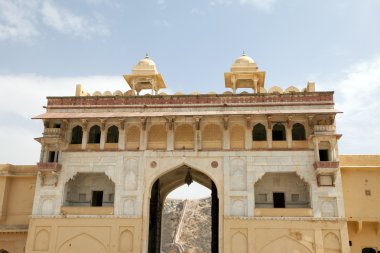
x=186 y=224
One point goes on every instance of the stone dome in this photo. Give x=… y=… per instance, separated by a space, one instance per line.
x=146 y=61
x=244 y=59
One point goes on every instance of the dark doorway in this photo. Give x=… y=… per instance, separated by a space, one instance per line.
x=166 y=184
x=279 y=200
x=323 y=155
x=368 y=250
x=97 y=198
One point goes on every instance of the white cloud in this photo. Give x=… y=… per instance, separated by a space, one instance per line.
x=22 y=97
x=64 y=21
x=259 y=4
x=357 y=94
x=21 y=20
x=16 y=20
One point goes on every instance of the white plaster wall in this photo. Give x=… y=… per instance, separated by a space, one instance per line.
x=129 y=196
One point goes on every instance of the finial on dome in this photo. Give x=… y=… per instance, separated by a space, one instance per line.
x=244 y=53
x=146 y=56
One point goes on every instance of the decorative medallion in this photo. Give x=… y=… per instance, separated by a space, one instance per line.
x=153 y=164
x=214 y=164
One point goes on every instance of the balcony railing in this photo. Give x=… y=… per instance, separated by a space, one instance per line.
x=326 y=165
x=49 y=167
x=324 y=128
x=52 y=132
x=283 y=212
x=87 y=210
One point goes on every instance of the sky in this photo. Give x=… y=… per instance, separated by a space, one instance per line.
x=47 y=47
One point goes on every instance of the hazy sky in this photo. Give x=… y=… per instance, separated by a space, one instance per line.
x=46 y=47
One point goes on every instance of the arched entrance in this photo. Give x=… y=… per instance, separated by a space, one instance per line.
x=162 y=187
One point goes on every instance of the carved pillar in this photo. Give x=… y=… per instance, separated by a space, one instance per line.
x=233 y=80
x=170 y=136
x=255 y=87
x=226 y=133
x=288 y=130
x=198 y=134
x=316 y=149
x=45 y=154
x=269 y=132
x=85 y=134
x=103 y=134
x=143 y=135
x=122 y=129
x=248 y=134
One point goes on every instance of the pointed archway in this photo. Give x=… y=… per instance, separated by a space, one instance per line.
x=162 y=187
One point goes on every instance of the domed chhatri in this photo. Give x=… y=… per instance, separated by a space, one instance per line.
x=244 y=74
x=244 y=58
x=147 y=61
x=145 y=76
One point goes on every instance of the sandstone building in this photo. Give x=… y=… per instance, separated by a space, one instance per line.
x=270 y=157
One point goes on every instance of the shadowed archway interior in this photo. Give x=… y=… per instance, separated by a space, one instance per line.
x=162 y=187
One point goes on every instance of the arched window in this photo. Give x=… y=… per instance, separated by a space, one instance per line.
x=76 y=135
x=298 y=132
x=3 y=251
x=368 y=250
x=113 y=135
x=94 y=135
x=259 y=133
x=278 y=132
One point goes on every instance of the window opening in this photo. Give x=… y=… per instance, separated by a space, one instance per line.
x=295 y=197
x=57 y=125
x=97 y=198
x=51 y=158
x=259 y=133
x=82 y=197
x=278 y=132
x=323 y=155
x=368 y=250
x=279 y=200
x=94 y=135
x=76 y=135
x=113 y=135
x=298 y=132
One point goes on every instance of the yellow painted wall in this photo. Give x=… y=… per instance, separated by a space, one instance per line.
x=17 y=186
x=361 y=192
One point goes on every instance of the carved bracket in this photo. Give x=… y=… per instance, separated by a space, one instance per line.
x=143 y=121
x=197 y=122
x=269 y=120
x=170 y=122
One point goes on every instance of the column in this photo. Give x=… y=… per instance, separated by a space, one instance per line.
x=143 y=134
x=170 y=139
x=316 y=150
x=248 y=134
x=226 y=134
x=269 y=137
x=121 y=140
x=85 y=135
x=103 y=135
x=289 y=137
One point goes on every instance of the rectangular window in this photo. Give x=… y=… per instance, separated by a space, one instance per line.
x=323 y=155
x=295 y=197
x=51 y=158
x=82 y=197
x=57 y=125
x=97 y=198
x=262 y=198
x=279 y=200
